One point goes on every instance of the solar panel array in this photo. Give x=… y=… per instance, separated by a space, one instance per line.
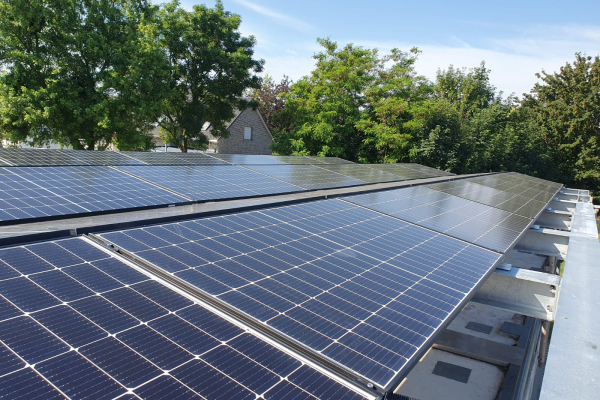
x=212 y=182
x=361 y=172
x=167 y=158
x=307 y=176
x=78 y=323
x=464 y=219
x=409 y=171
x=34 y=192
x=362 y=289
x=47 y=157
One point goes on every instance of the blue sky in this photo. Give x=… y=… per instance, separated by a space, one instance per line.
x=515 y=38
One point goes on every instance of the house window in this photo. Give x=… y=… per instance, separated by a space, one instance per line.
x=247 y=133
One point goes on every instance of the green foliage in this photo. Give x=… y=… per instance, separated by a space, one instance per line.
x=210 y=65
x=81 y=73
x=566 y=109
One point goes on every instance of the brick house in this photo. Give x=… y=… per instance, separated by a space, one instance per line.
x=248 y=134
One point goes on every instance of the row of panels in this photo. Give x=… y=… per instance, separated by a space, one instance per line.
x=362 y=289
x=77 y=323
x=347 y=279
x=50 y=157
x=48 y=192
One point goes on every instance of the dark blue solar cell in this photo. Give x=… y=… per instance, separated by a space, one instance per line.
x=255 y=265
x=373 y=351
x=202 y=252
x=351 y=297
x=185 y=335
x=93 y=278
x=387 y=341
x=155 y=347
x=265 y=354
x=185 y=257
x=69 y=325
x=61 y=285
x=234 y=244
x=165 y=262
x=105 y=314
x=27 y=385
x=135 y=304
x=284 y=256
x=184 y=230
x=327 y=276
x=120 y=362
x=30 y=340
x=301 y=333
x=146 y=238
x=359 y=363
x=55 y=254
x=286 y=390
x=316 y=322
x=241 y=369
x=120 y=271
x=321 y=386
x=336 y=267
x=26 y=295
x=125 y=242
x=7 y=272
x=344 y=306
x=309 y=278
x=210 y=383
x=396 y=330
x=282 y=290
x=78 y=378
x=270 y=260
x=265 y=297
x=238 y=269
x=406 y=322
x=7 y=310
x=331 y=314
x=82 y=249
x=165 y=387
x=165 y=234
x=24 y=261
x=223 y=276
x=162 y=295
x=367 y=292
x=225 y=251
x=249 y=306
x=202 y=282
x=249 y=239
x=210 y=323
x=9 y=362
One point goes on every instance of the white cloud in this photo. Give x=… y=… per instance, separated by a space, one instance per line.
x=278 y=17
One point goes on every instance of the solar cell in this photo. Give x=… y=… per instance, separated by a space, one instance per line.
x=362 y=289
x=247 y=159
x=307 y=176
x=404 y=172
x=525 y=199
x=328 y=160
x=211 y=182
x=168 y=158
x=363 y=172
x=48 y=157
x=131 y=334
x=34 y=192
x=464 y=219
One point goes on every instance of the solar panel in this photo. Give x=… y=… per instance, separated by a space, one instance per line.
x=247 y=159
x=48 y=157
x=173 y=158
x=328 y=160
x=515 y=203
x=308 y=160
x=361 y=289
x=363 y=172
x=517 y=184
x=474 y=222
x=425 y=169
x=212 y=182
x=403 y=172
x=35 y=192
x=307 y=176
x=94 y=327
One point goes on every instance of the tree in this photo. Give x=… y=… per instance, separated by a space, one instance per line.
x=82 y=73
x=566 y=108
x=350 y=105
x=210 y=67
x=271 y=101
